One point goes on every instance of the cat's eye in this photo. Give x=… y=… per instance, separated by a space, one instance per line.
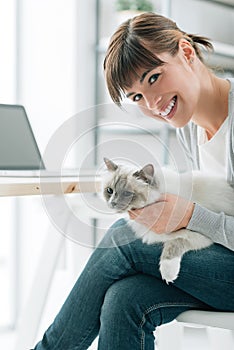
x=109 y=190
x=127 y=193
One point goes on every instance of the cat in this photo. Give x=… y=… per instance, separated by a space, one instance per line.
x=125 y=188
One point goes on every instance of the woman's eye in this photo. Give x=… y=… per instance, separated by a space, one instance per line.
x=153 y=78
x=109 y=190
x=137 y=97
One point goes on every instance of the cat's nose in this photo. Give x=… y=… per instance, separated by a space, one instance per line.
x=113 y=204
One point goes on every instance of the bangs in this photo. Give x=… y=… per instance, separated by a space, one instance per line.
x=122 y=66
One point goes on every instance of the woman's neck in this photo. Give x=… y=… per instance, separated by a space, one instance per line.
x=213 y=105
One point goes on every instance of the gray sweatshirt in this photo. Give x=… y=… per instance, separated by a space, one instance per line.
x=218 y=227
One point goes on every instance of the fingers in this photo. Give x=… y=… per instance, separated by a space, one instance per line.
x=133 y=213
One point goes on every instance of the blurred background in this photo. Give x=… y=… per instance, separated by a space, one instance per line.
x=51 y=57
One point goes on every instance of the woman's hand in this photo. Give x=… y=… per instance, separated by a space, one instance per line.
x=169 y=214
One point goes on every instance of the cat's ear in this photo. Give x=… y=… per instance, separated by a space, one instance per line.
x=111 y=166
x=146 y=173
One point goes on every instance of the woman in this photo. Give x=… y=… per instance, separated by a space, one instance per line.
x=120 y=295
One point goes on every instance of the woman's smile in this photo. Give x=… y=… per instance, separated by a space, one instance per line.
x=169 y=111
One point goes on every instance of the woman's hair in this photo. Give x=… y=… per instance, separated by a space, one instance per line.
x=134 y=46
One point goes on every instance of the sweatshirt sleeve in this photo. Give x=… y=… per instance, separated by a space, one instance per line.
x=216 y=226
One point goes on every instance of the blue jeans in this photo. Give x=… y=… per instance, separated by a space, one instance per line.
x=121 y=297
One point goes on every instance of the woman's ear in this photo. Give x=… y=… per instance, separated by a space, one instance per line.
x=187 y=50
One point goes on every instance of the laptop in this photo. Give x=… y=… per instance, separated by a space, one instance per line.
x=19 y=153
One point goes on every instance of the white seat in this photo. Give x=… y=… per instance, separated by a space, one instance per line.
x=223 y=320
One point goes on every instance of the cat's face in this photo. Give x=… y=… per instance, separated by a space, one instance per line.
x=125 y=188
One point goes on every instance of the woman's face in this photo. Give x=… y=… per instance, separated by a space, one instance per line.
x=170 y=92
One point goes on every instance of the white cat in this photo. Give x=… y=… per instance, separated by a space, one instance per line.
x=125 y=188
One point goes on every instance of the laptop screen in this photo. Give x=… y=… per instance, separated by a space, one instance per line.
x=18 y=147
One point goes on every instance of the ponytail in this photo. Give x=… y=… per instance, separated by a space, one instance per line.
x=197 y=42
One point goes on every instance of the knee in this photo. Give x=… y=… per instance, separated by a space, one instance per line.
x=118 y=301
x=124 y=302
x=125 y=317
x=119 y=307
x=118 y=234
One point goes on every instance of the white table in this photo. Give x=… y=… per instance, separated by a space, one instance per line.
x=30 y=186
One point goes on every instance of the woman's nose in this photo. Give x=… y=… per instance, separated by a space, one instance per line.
x=152 y=102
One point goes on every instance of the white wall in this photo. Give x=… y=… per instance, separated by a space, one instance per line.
x=47 y=64
x=56 y=71
x=7 y=95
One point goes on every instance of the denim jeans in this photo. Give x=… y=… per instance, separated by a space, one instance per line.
x=121 y=297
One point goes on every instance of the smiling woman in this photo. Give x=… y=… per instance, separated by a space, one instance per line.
x=134 y=46
x=161 y=69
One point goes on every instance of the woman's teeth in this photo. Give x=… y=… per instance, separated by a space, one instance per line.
x=169 y=108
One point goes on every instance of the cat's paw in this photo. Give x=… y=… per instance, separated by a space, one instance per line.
x=169 y=269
